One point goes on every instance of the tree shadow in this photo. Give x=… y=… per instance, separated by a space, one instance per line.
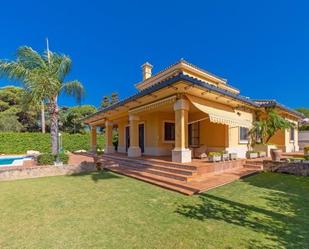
x=284 y=220
x=104 y=175
x=98 y=175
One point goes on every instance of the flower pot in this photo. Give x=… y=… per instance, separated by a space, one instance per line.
x=275 y=154
x=262 y=154
x=225 y=157
x=233 y=156
x=215 y=158
x=264 y=147
x=251 y=155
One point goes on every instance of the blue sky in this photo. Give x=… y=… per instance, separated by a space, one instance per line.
x=261 y=47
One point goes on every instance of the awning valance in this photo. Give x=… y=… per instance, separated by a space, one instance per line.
x=219 y=113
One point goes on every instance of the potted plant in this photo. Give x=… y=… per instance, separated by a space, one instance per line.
x=225 y=156
x=275 y=154
x=262 y=154
x=214 y=156
x=251 y=154
x=265 y=128
x=306 y=150
x=264 y=148
x=233 y=156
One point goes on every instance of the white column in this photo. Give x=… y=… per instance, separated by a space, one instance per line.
x=181 y=153
x=134 y=149
x=109 y=147
x=93 y=139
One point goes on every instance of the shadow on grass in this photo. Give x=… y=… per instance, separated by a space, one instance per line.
x=98 y=175
x=285 y=222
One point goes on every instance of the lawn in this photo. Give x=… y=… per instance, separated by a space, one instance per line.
x=105 y=210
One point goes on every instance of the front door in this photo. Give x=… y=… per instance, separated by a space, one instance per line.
x=141 y=137
x=127 y=137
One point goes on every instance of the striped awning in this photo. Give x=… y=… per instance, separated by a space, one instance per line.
x=219 y=113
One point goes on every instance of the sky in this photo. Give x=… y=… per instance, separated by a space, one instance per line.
x=260 y=47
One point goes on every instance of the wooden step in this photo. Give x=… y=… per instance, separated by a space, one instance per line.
x=154 y=171
x=161 y=181
x=151 y=162
x=214 y=180
x=162 y=167
x=182 y=176
x=253 y=166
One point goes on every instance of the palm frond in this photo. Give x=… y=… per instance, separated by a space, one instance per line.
x=13 y=70
x=29 y=58
x=64 y=67
x=75 y=89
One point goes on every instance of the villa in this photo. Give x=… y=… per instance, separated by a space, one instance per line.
x=183 y=110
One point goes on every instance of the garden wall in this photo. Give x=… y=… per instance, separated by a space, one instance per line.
x=41 y=171
x=293 y=168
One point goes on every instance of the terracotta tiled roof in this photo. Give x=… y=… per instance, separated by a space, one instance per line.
x=274 y=103
x=173 y=80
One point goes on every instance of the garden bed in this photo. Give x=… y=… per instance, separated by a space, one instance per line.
x=299 y=168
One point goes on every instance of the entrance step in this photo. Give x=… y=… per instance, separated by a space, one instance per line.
x=151 y=161
x=160 y=170
x=254 y=164
x=214 y=180
x=184 y=178
x=165 y=182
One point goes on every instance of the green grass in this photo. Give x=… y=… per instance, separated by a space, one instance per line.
x=20 y=142
x=105 y=210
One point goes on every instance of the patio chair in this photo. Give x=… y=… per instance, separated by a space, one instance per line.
x=200 y=152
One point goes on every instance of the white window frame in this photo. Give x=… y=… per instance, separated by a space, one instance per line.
x=242 y=141
x=292 y=140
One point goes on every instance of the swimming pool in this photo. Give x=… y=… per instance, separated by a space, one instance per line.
x=12 y=160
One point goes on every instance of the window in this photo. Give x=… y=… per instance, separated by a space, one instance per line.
x=292 y=134
x=194 y=134
x=243 y=134
x=169 y=131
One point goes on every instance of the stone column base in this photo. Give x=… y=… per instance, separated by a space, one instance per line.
x=134 y=151
x=181 y=155
x=121 y=149
x=109 y=149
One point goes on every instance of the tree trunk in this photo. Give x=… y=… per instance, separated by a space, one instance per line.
x=54 y=125
x=43 y=117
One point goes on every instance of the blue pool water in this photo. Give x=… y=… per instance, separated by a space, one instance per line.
x=9 y=160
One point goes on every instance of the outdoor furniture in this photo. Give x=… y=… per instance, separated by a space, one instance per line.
x=200 y=152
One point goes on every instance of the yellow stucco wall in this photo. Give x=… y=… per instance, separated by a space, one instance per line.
x=212 y=134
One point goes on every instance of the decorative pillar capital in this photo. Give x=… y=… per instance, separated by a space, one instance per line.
x=133 y=117
x=108 y=123
x=181 y=104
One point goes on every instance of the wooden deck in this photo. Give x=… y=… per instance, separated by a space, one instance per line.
x=187 y=178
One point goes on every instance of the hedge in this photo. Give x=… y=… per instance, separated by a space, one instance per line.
x=49 y=159
x=19 y=142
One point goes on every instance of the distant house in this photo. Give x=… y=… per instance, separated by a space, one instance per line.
x=183 y=108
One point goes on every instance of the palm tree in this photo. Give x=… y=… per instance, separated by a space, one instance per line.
x=43 y=77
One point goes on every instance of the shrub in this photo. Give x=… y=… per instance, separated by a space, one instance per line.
x=49 y=159
x=64 y=158
x=214 y=154
x=251 y=151
x=306 y=149
x=20 y=142
x=46 y=159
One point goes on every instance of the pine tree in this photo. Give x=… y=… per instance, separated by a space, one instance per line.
x=105 y=101
x=114 y=98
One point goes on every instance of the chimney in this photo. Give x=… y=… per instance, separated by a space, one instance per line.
x=146 y=69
